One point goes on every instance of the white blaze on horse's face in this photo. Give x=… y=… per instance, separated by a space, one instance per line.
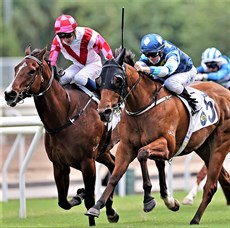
x=20 y=68
x=9 y=88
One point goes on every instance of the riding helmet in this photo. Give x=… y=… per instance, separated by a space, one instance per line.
x=152 y=43
x=65 y=24
x=211 y=55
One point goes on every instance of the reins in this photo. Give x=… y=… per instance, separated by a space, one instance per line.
x=70 y=120
x=152 y=104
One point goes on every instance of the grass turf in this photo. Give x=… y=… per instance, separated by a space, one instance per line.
x=46 y=213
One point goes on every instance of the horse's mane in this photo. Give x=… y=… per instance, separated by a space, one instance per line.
x=129 y=56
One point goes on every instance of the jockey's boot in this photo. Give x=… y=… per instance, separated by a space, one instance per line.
x=192 y=101
x=91 y=85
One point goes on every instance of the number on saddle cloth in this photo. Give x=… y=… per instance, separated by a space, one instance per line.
x=207 y=115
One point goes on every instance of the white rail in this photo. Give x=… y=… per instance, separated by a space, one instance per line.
x=20 y=125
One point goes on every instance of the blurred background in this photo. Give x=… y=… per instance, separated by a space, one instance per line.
x=192 y=25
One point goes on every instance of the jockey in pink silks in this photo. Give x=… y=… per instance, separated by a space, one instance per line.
x=82 y=46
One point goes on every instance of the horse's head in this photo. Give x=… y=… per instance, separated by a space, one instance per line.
x=28 y=78
x=112 y=83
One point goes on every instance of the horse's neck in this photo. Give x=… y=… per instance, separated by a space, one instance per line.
x=52 y=106
x=142 y=95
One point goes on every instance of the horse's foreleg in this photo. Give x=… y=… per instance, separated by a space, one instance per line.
x=170 y=202
x=89 y=177
x=123 y=159
x=109 y=161
x=156 y=150
x=149 y=201
x=61 y=177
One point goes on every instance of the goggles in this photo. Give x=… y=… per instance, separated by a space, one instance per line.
x=212 y=65
x=65 y=35
x=151 y=54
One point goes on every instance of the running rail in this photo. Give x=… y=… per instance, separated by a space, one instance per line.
x=20 y=125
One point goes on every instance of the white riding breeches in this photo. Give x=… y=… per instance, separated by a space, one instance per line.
x=78 y=75
x=177 y=82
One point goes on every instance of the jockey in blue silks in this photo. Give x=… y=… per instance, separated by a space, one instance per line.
x=214 y=67
x=164 y=61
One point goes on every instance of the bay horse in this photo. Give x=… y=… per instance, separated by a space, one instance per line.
x=74 y=137
x=154 y=125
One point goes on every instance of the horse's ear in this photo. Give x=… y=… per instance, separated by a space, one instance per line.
x=121 y=56
x=103 y=58
x=42 y=53
x=27 y=50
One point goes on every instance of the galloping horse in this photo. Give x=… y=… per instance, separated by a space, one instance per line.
x=154 y=125
x=75 y=136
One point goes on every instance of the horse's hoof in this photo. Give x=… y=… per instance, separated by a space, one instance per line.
x=194 y=222
x=113 y=218
x=65 y=206
x=176 y=206
x=187 y=201
x=76 y=200
x=148 y=206
x=93 y=212
x=171 y=203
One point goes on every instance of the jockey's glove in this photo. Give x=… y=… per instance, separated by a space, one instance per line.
x=201 y=77
x=58 y=72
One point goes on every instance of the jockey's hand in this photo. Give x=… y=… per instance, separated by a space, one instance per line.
x=139 y=67
x=201 y=77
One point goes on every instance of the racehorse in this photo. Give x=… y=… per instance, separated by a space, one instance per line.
x=154 y=124
x=75 y=136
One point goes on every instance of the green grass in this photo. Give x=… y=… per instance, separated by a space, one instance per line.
x=46 y=213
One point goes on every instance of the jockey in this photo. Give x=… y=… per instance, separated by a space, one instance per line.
x=166 y=62
x=82 y=46
x=214 y=67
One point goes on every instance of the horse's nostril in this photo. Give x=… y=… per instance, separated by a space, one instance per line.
x=10 y=95
x=106 y=115
x=107 y=111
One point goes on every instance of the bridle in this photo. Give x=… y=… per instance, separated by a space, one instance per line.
x=154 y=102
x=25 y=91
x=122 y=91
x=124 y=96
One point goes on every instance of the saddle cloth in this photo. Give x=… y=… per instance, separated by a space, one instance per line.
x=205 y=117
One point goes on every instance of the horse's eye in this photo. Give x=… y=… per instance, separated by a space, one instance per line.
x=32 y=72
x=117 y=80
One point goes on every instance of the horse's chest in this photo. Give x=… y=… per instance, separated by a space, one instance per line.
x=62 y=154
x=141 y=136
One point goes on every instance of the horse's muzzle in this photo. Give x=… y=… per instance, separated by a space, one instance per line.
x=106 y=115
x=11 y=98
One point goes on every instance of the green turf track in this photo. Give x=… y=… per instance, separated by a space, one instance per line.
x=46 y=213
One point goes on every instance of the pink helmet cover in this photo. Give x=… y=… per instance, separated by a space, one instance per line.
x=65 y=24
